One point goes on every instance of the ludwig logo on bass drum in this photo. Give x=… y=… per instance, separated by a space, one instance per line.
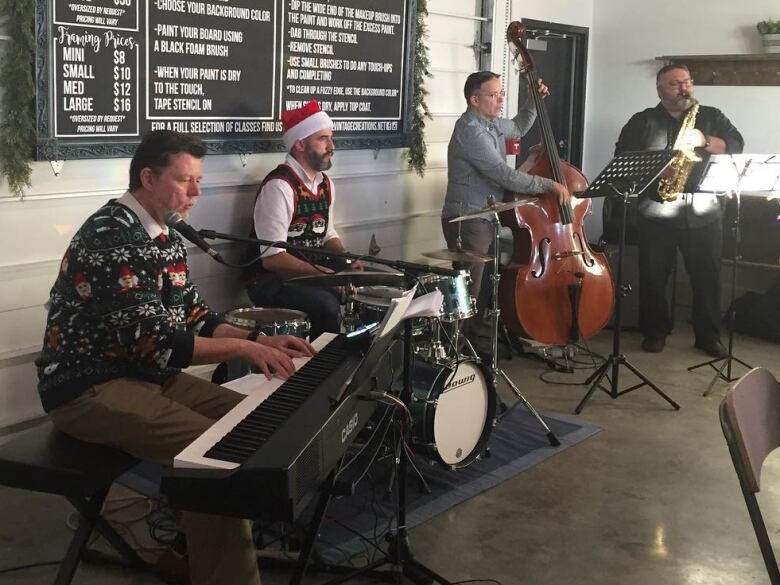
x=350 y=426
x=460 y=382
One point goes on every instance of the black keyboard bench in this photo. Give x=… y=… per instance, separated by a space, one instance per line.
x=46 y=460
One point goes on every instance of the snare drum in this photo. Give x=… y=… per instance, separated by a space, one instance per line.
x=458 y=302
x=270 y=321
x=453 y=410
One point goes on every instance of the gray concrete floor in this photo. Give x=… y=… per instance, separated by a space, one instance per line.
x=651 y=499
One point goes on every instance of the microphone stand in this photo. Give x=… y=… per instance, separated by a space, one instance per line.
x=397 y=264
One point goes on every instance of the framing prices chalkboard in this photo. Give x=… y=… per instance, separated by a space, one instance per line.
x=108 y=71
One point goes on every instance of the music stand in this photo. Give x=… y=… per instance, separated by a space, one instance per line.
x=734 y=174
x=399 y=556
x=626 y=175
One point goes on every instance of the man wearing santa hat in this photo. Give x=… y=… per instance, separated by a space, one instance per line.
x=295 y=205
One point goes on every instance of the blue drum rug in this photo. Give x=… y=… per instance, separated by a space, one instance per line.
x=354 y=526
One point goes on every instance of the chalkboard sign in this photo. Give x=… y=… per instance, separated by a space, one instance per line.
x=108 y=71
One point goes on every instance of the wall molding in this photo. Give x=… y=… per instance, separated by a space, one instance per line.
x=208 y=188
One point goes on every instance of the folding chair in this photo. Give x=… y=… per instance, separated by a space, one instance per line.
x=750 y=418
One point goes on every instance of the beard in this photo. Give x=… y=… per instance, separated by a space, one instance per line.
x=320 y=162
x=684 y=102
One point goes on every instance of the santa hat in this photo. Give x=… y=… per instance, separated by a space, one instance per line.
x=125 y=271
x=79 y=279
x=303 y=122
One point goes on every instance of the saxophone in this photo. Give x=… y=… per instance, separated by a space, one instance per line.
x=683 y=162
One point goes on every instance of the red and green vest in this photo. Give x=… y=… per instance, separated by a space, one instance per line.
x=309 y=224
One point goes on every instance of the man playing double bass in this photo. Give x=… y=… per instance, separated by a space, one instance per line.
x=477 y=170
x=690 y=222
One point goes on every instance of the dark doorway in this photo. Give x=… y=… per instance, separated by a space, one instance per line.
x=560 y=52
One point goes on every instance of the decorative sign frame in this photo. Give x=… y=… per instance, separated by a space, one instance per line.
x=107 y=71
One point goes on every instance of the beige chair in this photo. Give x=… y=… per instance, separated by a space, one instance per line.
x=750 y=418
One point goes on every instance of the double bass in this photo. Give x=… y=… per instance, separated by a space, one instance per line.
x=554 y=289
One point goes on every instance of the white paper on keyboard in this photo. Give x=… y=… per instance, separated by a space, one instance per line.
x=257 y=388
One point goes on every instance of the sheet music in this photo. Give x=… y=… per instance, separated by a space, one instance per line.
x=748 y=173
x=428 y=305
x=396 y=312
x=408 y=307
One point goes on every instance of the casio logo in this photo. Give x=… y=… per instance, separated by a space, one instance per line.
x=350 y=426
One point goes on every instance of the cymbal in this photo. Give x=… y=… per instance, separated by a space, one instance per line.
x=458 y=256
x=350 y=277
x=496 y=207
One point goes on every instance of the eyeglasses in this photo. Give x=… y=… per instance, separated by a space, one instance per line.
x=495 y=95
x=680 y=83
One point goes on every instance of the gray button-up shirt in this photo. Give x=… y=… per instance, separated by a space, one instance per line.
x=476 y=162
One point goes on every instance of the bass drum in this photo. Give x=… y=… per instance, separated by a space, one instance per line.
x=453 y=410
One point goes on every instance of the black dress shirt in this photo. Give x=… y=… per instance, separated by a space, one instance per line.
x=655 y=129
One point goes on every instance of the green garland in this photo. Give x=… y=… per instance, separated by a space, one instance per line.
x=17 y=120
x=417 y=150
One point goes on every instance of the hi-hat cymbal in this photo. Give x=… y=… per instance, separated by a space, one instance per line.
x=495 y=207
x=350 y=277
x=458 y=256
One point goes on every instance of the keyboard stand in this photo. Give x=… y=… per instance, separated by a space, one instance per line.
x=399 y=555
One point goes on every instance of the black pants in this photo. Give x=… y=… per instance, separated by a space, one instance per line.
x=701 y=252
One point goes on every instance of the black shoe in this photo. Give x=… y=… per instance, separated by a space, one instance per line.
x=713 y=348
x=653 y=344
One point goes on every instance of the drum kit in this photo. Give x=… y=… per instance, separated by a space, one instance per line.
x=454 y=401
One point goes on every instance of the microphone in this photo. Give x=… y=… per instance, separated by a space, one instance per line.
x=174 y=220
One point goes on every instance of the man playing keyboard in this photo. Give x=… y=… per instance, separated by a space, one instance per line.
x=125 y=318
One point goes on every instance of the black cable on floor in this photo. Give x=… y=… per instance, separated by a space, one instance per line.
x=30 y=566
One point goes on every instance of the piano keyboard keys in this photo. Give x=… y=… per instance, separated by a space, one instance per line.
x=257 y=427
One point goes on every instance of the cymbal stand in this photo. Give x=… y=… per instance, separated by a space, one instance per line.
x=494 y=313
x=616 y=358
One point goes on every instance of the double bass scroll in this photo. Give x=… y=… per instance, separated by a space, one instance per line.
x=554 y=289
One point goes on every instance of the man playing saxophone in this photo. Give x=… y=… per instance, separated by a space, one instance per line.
x=668 y=221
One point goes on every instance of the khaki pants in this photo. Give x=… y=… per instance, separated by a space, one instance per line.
x=155 y=423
